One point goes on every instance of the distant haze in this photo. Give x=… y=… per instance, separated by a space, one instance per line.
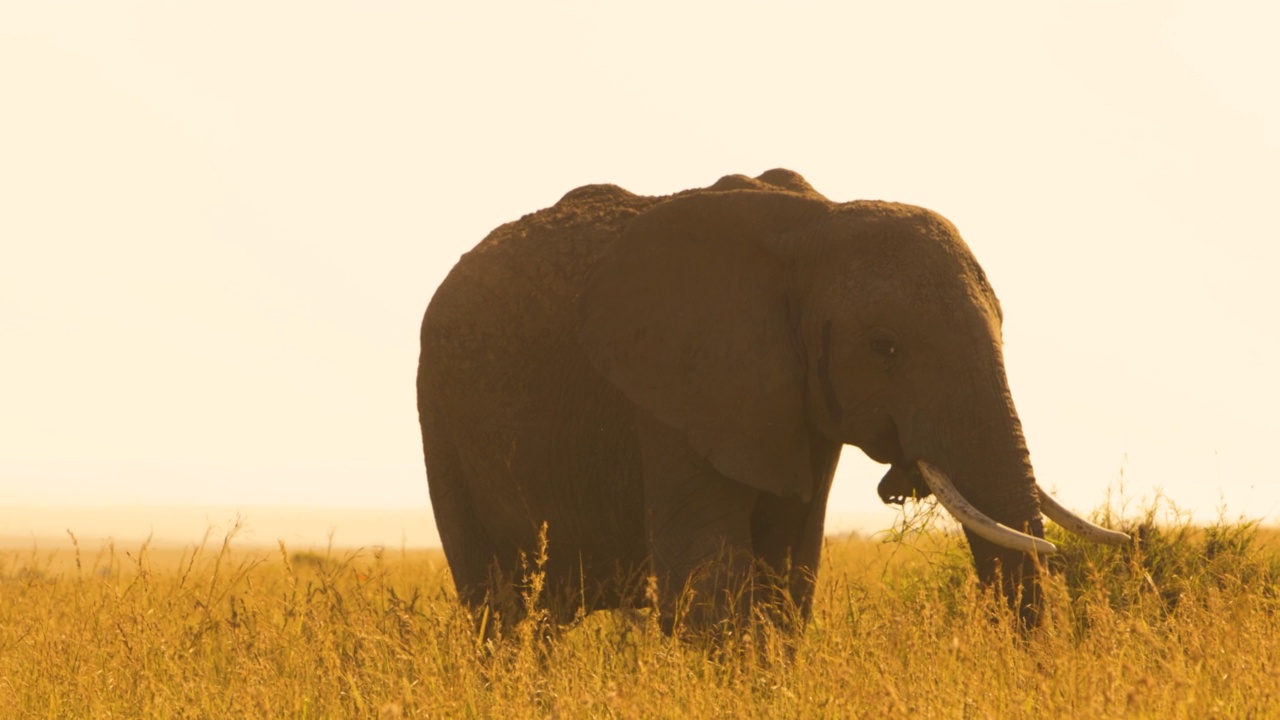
x=220 y=222
x=298 y=527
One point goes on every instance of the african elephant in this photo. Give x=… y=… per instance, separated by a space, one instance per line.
x=667 y=383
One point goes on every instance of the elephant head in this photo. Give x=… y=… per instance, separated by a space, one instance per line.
x=761 y=319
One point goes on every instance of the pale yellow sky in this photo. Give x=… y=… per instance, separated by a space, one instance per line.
x=220 y=223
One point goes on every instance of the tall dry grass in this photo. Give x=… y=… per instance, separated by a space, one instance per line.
x=1185 y=624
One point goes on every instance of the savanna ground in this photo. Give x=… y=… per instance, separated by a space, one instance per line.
x=1185 y=624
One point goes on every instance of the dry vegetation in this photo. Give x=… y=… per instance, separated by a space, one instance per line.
x=1185 y=625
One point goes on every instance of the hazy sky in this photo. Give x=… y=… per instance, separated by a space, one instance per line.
x=220 y=223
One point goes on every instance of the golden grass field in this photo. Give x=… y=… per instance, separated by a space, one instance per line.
x=1187 y=624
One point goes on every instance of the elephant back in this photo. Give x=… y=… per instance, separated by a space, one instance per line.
x=504 y=316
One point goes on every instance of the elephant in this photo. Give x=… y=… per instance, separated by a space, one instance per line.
x=663 y=386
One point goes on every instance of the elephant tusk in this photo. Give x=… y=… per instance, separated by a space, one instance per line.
x=973 y=519
x=1078 y=525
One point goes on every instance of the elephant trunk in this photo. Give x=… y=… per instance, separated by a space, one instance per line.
x=998 y=502
x=994 y=496
x=1012 y=568
x=1006 y=536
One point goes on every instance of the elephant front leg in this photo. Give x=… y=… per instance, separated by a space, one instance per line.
x=787 y=537
x=698 y=524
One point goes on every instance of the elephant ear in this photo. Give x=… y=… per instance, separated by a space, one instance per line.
x=687 y=315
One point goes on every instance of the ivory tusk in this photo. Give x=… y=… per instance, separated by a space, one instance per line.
x=1078 y=525
x=974 y=520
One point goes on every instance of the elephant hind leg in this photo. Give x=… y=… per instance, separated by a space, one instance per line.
x=474 y=561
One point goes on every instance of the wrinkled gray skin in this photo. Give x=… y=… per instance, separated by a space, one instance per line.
x=667 y=383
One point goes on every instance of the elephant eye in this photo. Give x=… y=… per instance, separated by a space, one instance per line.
x=884 y=347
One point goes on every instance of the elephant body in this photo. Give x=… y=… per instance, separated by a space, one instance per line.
x=667 y=382
x=518 y=429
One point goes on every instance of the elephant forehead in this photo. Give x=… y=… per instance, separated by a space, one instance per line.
x=900 y=281
x=900 y=254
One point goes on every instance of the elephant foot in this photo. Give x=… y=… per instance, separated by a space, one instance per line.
x=899 y=485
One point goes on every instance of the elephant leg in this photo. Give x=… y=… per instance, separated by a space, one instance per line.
x=789 y=547
x=1014 y=574
x=698 y=524
x=481 y=578
x=787 y=535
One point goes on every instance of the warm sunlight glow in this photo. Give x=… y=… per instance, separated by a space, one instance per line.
x=220 y=223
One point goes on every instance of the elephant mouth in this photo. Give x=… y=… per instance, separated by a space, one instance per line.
x=899 y=484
